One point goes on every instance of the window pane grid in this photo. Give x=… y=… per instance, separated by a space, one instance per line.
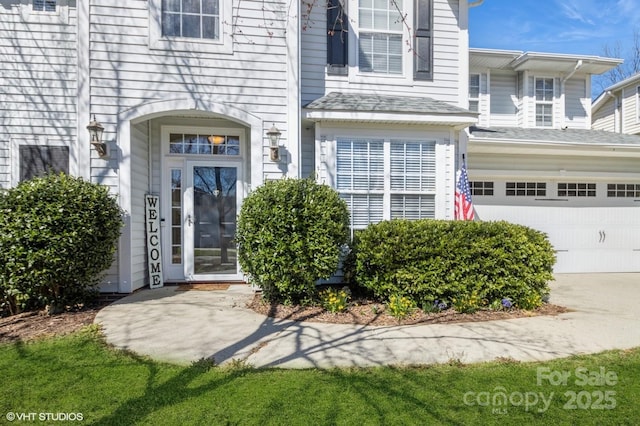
x=44 y=5
x=577 y=189
x=194 y=144
x=191 y=18
x=360 y=165
x=623 y=190
x=176 y=216
x=481 y=188
x=526 y=189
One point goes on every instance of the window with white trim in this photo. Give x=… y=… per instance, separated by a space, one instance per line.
x=190 y=25
x=44 y=11
x=526 y=189
x=380 y=36
x=37 y=160
x=623 y=190
x=191 y=19
x=474 y=92
x=544 y=102
x=577 y=189
x=481 y=188
x=385 y=179
x=44 y=5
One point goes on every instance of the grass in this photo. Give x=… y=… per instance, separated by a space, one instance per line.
x=80 y=374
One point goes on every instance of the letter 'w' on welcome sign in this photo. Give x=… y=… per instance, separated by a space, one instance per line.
x=154 y=252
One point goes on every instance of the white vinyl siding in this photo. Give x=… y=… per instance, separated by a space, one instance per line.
x=39 y=82
x=380 y=36
x=449 y=50
x=577 y=102
x=362 y=167
x=503 y=99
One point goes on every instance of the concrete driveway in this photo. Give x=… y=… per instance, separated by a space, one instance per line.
x=184 y=326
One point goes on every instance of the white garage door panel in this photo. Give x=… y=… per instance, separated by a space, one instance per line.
x=597 y=261
x=587 y=239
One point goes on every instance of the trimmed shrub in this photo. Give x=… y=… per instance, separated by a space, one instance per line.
x=449 y=261
x=57 y=233
x=290 y=234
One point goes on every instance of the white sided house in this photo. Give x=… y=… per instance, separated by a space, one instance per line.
x=382 y=108
x=534 y=160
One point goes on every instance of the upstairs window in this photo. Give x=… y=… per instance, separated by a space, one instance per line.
x=44 y=5
x=544 y=102
x=380 y=38
x=474 y=92
x=191 y=19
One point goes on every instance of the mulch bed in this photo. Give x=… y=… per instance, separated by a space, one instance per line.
x=366 y=312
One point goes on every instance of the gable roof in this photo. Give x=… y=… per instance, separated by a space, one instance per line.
x=554 y=136
x=602 y=97
x=338 y=106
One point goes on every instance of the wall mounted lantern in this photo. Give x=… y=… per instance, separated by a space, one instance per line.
x=274 y=138
x=95 y=133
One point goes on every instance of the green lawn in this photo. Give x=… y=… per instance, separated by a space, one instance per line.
x=80 y=374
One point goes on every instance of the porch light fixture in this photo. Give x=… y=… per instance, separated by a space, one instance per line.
x=95 y=133
x=274 y=138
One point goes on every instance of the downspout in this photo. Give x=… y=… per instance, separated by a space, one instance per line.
x=575 y=69
x=475 y=3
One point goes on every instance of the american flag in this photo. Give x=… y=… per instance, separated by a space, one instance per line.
x=463 y=205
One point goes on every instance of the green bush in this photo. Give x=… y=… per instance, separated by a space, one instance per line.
x=431 y=260
x=290 y=234
x=57 y=233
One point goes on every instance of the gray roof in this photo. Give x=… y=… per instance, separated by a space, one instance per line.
x=337 y=101
x=582 y=136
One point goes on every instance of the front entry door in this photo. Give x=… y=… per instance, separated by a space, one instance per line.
x=211 y=202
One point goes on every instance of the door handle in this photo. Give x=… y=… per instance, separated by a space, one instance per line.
x=189 y=220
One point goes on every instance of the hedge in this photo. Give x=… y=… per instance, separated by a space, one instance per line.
x=290 y=234
x=57 y=234
x=431 y=260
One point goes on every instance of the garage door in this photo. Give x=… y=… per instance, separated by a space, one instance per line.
x=597 y=231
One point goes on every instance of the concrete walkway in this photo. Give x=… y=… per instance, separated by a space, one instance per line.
x=183 y=326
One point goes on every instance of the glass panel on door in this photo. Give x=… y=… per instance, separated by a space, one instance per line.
x=214 y=220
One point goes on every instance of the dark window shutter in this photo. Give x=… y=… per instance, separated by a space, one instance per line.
x=337 y=47
x=40 y=160
x=423 y=43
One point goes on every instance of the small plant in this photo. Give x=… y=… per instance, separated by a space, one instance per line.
x=375 y=309
x=467 y=304
x=400 y=306
x=334 y=300
x=203 y=364
x=435 y=307
x=501 y=304
x=530 y=301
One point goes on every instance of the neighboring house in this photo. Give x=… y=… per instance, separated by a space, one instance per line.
x=534 y=160
x=617 y=109
x=379 y=107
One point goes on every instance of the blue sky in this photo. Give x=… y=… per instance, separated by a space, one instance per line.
x=557 y=26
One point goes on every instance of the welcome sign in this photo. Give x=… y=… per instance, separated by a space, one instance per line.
x=154 y=252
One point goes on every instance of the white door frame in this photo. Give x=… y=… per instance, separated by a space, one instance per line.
x=177 y=272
